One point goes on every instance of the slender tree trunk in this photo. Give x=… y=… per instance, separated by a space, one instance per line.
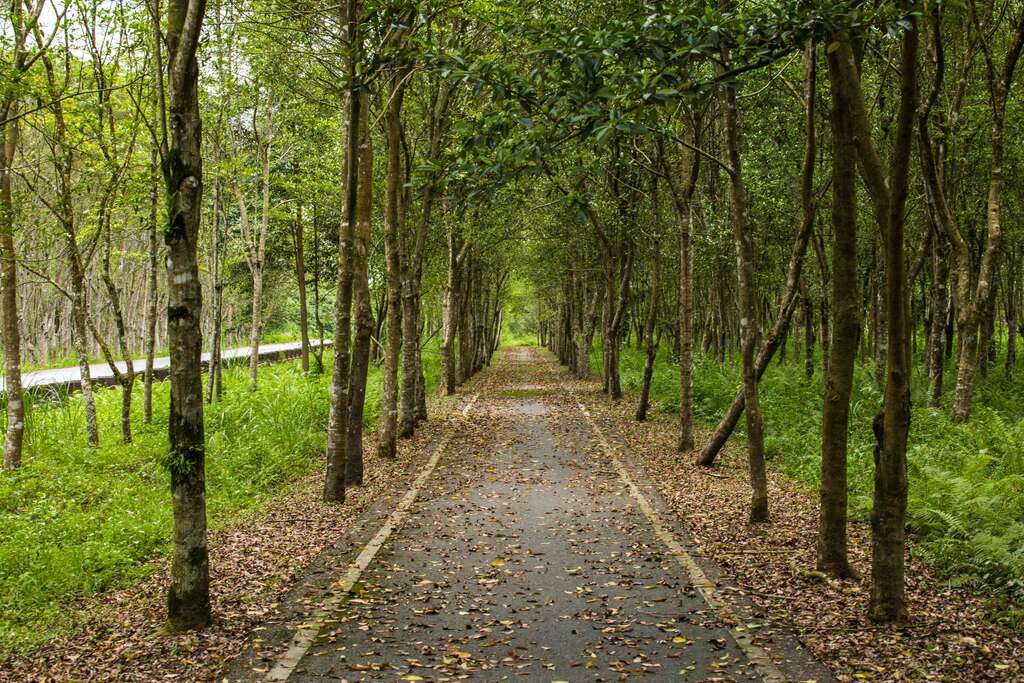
x=76 y=267
x=337 y=428
x=127 y=378
x=393 y=214
x=256 y=265
x=300 y=278
x=450 y=307
x=152 y=290
x=214 y=387
x=888 y=193
x=683 y=200
x=789 y=298
x=9 y=295
x=808 y=333
x=892 y=423
x=749 y=324
x=832 y=555
x=414 y=395
x=940 y=312
x=1010 y=295
x=318 y=353
x=188 y=597
x=649 y=334
x=255 y=325
x=361 y=304
x=79 y=322
x=410 y=348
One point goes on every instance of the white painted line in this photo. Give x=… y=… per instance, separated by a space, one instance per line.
x=740 y=633
x=308 y=631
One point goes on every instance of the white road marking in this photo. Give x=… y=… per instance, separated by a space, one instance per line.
x=755 y=654
x=310 y=629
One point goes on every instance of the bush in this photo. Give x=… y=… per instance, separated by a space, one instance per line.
x=966 y=500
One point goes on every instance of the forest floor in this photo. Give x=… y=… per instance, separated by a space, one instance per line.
x=533 y=531
x=528 y=555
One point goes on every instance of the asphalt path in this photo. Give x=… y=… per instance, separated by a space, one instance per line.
x=525 y=551
x=101 y=373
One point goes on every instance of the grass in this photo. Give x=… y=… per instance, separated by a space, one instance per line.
x=966 y=500
x=77 y=520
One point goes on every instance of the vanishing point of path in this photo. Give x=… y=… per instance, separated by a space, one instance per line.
x=525 y=550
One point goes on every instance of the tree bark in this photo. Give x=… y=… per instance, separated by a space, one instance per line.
x=892 y=423
x=9 y=293
x=940 y=313
x=787 y=304
x=152 y=290
x=888 y=193
x=832 y=550
x=337 y=428
x=300 y=280
x=361 y=304
x=393 y=214
x=188 y=597
x=808 y=333
x=649 y=333
x=683 y=200
x=749 y=325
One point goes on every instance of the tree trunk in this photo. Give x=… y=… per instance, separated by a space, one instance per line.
x=361 y=304
x=318 y=353
x=188 y=598
x=892 y=423
x=749 y=325
x=450 y=307
x=393 y=214
x=337 y=426
x=888 y=193
x=65 y=211
x=649 y=333
x=9 y=295
x=152 y=290
x=300 y=279
x=413 y=402
x=832 y=554
x=683 y=200
x=214 y=386
x=940 y=312
x=808 y=333
x=256 y=265
x=789 y=298
x=127 y=378
x=1010 y=295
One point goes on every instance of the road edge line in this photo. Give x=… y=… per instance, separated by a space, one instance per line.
x=307 y=633
x=755 y=654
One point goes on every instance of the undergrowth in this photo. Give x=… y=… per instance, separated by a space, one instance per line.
x=77 y=520
x=966 y=499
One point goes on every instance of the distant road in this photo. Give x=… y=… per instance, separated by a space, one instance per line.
x=71 y=378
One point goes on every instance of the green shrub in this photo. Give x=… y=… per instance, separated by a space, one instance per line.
x=76 y=520
x=966 y=500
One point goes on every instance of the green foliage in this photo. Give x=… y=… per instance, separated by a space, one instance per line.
x=966 y=499
x=77 y=520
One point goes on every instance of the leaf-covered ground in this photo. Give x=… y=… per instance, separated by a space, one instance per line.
x=950 y=637
x=527 y=560
x=526 y=555
x=120 y=635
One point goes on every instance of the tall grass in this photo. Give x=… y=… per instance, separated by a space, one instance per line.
x=966 y=501
x=77 y=520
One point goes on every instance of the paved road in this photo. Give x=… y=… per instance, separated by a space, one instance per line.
x=525 y=557
x=100 y=372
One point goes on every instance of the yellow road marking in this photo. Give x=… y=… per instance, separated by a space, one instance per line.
x=310 y=629
x=755 y=654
